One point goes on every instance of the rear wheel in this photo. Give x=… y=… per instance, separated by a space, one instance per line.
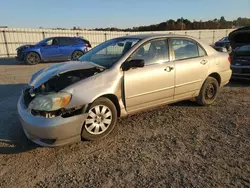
x=32 y=58
x=76 y=55
x=101 y=120
x=208 y=92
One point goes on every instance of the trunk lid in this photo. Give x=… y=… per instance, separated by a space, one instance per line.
x=239 y=37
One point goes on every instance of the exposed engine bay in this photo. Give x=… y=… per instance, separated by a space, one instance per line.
x=61 y=81
x=55 y=85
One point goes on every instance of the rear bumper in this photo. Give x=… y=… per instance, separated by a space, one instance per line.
x=50 y=132
x=241 y=72
x=225 y=77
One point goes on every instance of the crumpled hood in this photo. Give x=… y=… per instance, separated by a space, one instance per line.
x=44 y=75
x=239 y=37
x=25 y=46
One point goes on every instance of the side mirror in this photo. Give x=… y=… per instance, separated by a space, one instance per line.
x=135 y=63
x=44 y=44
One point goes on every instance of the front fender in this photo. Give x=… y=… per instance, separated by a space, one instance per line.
x=33 y=49
x=88 y=90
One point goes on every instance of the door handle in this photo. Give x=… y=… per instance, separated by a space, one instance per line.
x=204 y=62
x=169 y=69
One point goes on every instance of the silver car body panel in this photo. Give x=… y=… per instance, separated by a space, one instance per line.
x=141 y=88
x=45 y=74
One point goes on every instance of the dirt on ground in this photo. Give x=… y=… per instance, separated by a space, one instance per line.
x=179 y=145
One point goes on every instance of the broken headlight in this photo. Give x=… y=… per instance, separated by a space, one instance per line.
x=50 y=102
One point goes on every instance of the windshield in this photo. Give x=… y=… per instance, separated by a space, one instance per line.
x=224 y=39
x=107 y=53
x=43 y=41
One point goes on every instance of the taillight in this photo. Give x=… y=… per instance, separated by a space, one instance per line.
x=229 y=59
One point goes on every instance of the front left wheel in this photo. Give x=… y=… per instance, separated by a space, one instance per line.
x=101 y=120
x=32 y=58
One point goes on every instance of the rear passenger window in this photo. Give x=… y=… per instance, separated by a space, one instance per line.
x=184 y=48
x=201 y=51
x=66 y=41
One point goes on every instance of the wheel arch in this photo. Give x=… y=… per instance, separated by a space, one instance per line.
x=114 y=100
x=76 y=50
x=216 y=76
x=33 y=51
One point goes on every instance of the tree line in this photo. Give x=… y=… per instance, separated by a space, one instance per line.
x=185 y=24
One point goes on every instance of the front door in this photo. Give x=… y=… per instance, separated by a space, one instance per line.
x=191 y=65
x=154 y=83
x=50 y=50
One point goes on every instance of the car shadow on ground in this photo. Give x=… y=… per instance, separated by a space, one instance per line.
x=13 y=61
x=12 y=137
x=238 y=83
x=10 y=61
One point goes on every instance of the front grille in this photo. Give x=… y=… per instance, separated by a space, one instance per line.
x=27 y=98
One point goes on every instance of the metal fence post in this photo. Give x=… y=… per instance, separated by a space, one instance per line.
x=199 y=34
x=43 y=34
x=226 y=32
x=213 y=36
x=105 y=38
x=6 y=43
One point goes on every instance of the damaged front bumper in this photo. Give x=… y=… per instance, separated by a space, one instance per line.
x=56 y=131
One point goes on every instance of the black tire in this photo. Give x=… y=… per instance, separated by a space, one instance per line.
x=76 y=55
x=32 y=58
x=208 y=92
x=88 y=134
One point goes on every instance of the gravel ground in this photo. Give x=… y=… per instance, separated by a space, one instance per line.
x=180 y=145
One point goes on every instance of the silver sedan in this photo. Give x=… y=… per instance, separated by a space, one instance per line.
x=77 y=100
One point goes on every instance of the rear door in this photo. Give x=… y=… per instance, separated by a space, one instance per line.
x=66 y=46
x=50 y=49
x=191 y=66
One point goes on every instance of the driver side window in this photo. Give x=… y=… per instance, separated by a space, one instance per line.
x=152 y=52
x=51 y=42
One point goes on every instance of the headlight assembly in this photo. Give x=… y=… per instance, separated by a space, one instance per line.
x=50 y=102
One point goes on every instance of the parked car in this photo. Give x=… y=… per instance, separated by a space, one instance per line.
x=67 y=102
x=53 y=49
x=224 y=42
x=240 y=55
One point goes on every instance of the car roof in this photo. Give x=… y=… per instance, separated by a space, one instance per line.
x=149 y=36
x=153 y=35
x=63 y=37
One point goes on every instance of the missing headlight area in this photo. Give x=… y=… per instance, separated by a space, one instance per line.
x=65 y=113
x=41 y=101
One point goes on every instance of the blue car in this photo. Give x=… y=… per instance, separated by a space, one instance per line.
x=53 y=49
x=224 y=42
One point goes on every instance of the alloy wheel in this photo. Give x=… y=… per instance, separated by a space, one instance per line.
x=98 y=120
